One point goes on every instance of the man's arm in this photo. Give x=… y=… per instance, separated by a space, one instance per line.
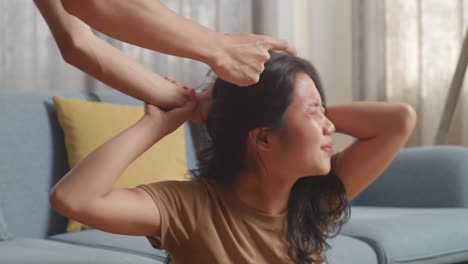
x=236 y=58
x=81 y=48
x=381 y=129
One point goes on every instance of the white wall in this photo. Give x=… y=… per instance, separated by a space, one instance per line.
x=321 y=31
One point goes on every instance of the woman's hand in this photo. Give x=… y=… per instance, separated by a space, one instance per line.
x=169 y=121
x=203 y=100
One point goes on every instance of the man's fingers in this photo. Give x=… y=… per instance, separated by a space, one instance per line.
x=177 y=83
x=279 y=44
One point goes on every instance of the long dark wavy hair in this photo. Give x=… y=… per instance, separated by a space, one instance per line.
x=317 y=205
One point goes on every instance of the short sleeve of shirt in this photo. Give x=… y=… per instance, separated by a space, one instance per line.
x=180 y=204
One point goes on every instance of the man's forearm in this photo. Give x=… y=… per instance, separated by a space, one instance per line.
x=81 y=48
x=364 y=120
x=116 y=69
x=137 y=21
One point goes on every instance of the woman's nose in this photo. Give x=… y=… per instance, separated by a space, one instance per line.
x=329 y=127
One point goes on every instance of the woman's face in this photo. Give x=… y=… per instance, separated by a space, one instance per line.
x=307 y=130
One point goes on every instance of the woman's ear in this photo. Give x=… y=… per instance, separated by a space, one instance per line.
x=261 y=137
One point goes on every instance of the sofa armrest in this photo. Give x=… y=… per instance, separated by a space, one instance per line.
x=426 y=177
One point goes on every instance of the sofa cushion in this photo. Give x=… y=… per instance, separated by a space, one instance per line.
x=95 y=238
x=193 y=132
x=344 y=249
x=41 y=251
x=88 y=125
x=411 y=235
x=32 y=160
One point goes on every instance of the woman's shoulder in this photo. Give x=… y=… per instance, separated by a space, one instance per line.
x=191 y=188
x=185 y=186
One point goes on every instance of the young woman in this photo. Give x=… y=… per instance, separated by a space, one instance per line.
x=269 y=188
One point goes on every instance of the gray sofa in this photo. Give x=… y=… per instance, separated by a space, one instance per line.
x=394 y=221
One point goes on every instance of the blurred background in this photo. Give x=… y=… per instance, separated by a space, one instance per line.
x=378 y=50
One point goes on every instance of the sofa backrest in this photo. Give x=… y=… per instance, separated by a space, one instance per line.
x=422 y=177
x=33 y=157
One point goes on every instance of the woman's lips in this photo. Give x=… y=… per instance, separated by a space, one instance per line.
x=328 y=150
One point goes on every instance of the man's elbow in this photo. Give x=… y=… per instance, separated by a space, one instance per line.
x=72 y=49
x=407 y=117
x=76 y=51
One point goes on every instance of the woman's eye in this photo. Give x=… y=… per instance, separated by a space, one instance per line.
x=314 y=108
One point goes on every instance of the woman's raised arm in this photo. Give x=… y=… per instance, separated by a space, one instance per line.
x=86 y=192
x=380 y=128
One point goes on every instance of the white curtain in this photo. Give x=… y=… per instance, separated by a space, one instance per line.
x=30 y=59
x=407 y=50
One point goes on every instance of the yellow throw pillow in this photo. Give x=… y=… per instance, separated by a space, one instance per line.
x=87 y=125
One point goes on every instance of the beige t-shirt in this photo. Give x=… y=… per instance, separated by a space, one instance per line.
x=202 y=222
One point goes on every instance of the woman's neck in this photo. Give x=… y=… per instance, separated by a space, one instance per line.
x=262 y=193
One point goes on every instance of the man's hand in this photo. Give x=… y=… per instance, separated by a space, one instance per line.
x=243 y=55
